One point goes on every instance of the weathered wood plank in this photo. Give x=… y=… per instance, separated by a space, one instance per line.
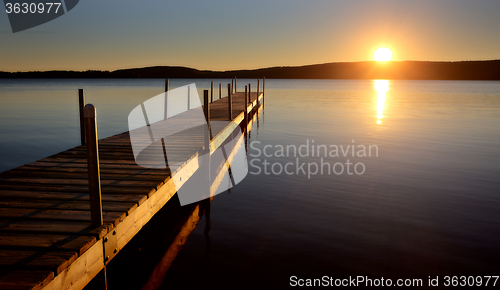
x=46 y=243
x=57 y=214
x=36 y=261
x=75 y=188
x=81 y=168
x=138 y=198
x=21 y=173
x=54 y=181
x=108 y=206
x=53 y=227
x=23 y=280
x=81 y=271
x=72 y=163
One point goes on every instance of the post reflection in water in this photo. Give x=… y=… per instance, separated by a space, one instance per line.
x=205 y=211
x=382 y=87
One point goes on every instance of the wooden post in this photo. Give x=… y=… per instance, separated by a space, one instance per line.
x=166 y=97
x=258 y=88
x=220 y=91
x=232 y=85
x=81 y=101
x=94 y=175
x=249 y=93
x=212 y=92
x=206 y=107
x=246 y=105
x=205 y=166
x=229 y=103
x=235 y=84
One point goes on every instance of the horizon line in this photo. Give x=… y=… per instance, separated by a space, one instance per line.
x=255 y=69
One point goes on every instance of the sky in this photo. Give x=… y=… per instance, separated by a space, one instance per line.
x=228 y=35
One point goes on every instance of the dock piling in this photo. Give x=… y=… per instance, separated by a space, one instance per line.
x=249 y=93
x=258 y=88
x=229 y=102
x=246 y=105
x=205 y=165
x=206 y=107
x=208 y=132
x=220 y=91
x=93 y=166
x=211 y=92
x=235 y=84
x=81 y=101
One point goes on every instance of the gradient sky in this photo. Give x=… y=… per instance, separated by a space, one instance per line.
x=224 y=35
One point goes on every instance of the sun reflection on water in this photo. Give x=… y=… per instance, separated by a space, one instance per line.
x=381 y=86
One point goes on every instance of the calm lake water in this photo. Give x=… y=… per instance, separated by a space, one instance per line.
x=427 y=204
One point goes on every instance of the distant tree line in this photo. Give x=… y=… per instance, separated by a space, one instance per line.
x=406 y=70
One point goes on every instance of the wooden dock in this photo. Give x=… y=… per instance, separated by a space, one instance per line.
x=46 y=237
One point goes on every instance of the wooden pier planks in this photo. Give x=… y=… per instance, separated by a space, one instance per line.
x=45 y=233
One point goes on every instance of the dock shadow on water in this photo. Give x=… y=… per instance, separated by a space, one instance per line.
x=146 y=259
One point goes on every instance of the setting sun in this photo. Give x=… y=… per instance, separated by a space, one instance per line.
x=382 y=54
